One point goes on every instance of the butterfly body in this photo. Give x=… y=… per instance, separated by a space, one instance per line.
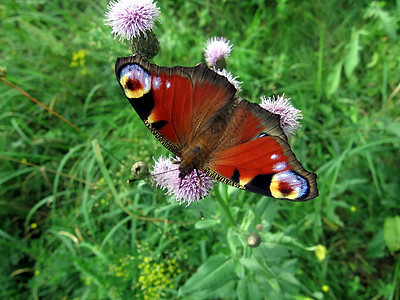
x=194 y=112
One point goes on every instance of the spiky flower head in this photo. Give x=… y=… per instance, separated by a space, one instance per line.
x=231 y=79
x=134 y=20
x=290 y=115
x=131 y=18
x=189 y=189
x=216 y=49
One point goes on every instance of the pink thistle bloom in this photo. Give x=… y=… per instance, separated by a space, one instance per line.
x=131 y=18
x=187 y=190
x=217 y=49
x=290 y=115
x=231 y=79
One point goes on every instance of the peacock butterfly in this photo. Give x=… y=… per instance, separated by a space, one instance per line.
x=195 y=113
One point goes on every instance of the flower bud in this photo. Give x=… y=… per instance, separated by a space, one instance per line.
x=139 y=168
x=253 y=240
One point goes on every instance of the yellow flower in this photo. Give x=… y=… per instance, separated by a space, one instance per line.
x=353 y=208
x=320 y=252
x=37 y=272
x=33 y=225
x=78 y=58
x=325 y=288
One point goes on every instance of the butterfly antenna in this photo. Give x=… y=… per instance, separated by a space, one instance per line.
x=201 y=213
x=133 y=180
x=199 y=178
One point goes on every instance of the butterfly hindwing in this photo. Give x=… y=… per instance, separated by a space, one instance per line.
x=256 y=157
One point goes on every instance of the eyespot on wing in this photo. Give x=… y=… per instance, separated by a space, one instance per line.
x=135 y=81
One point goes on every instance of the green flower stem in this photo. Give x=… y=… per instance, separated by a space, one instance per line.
x=224 y=207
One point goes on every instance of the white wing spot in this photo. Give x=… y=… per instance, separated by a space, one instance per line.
x=274 y=156
x=156 y=83
x=280 y=166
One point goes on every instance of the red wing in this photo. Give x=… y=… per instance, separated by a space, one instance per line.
x=254 y=155
x=172 y=102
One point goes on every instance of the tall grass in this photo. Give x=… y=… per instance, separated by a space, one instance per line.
x=70 y=225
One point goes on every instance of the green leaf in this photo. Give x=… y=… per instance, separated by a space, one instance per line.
x=333 y=80
x=289 y=278
x=239 y=269
x=202 y=224
x=391 y=233
x=247 y=220
x=241 y=290
x=233 y=241
x=248 y=288
x=376 y=246
x=352 y=58
x=388 y=22
x=225 y=291
x=270 y=209
x=217 y=271
x=254 y=265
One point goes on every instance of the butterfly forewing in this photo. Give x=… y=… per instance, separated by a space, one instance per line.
x=172 y=102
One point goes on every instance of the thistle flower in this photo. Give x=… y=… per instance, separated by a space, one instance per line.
x=134 y=20
x=230 y=78
x=216 y=49
x=289 y=114
x=129 y=18
x=186 y=190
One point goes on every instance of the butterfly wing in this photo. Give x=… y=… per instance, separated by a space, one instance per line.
x=180 y=104
x=254 y=155
x=173 y=102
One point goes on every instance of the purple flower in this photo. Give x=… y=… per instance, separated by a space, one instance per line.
x=131 y=18
x=216 y=50
x=187 y=190
x=290 y=115
x=231 y=79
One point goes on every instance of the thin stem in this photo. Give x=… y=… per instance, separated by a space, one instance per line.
x=224 y=207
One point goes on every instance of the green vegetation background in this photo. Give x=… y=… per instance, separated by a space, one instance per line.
x=71 y=228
